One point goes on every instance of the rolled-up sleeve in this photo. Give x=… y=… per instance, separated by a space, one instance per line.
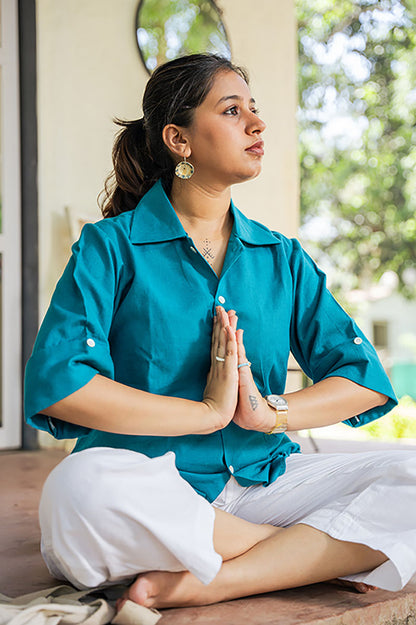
x=72 y=344
x=326 y=342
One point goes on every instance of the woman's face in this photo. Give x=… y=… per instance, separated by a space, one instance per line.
x=225 y=135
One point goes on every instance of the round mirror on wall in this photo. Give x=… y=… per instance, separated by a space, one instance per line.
x=167 y=29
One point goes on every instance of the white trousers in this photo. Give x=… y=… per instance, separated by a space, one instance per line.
x=108 y=514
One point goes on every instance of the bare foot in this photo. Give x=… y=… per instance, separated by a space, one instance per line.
x=162 y=589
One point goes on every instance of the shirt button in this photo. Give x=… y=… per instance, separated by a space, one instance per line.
x=90 y=342
x=193 y=249
x=221 y=299
x=231 y=468
x=358 y=340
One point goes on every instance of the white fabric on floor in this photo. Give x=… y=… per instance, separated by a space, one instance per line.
x=62 y=605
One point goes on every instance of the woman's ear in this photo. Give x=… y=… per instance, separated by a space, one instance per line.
x=175 y=140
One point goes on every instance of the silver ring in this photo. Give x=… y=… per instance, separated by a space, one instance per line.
x=244 y=364
x=219 y=359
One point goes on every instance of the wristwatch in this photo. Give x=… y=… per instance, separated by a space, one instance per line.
x=281 y=407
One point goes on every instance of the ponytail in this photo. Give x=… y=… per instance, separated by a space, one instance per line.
x=134 y=170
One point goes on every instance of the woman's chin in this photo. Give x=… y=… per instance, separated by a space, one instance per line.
x=244 y=176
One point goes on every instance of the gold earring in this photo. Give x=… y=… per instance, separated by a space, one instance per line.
x=184 y=169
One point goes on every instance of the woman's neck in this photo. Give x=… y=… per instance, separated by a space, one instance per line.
x=206 y=217
x=203 y=212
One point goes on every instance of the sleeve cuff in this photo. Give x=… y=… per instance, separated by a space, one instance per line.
x=370 y=381
x=56 y=372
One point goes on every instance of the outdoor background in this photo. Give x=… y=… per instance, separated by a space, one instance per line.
x=357 y=150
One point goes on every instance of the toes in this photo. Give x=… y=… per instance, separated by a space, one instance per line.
x=360 y=587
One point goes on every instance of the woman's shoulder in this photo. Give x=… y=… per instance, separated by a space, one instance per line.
x=112 y=227
x=257 y=233
x=106 y=241
x=289 y=245
x=112 y=232
x=290 y=248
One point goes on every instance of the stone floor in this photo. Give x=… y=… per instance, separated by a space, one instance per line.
x=22 y=569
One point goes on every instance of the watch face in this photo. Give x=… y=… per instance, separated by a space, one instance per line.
x=277 y=401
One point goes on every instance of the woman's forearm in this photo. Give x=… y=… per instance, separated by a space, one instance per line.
x=330 y=401
x=104 y=404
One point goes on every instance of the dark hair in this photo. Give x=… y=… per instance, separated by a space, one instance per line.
x=140 y=156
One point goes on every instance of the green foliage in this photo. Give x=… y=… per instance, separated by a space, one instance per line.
x=400 y=423
x=168 y=29
x=357 y=115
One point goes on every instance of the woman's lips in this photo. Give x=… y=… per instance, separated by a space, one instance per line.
x=256 y=148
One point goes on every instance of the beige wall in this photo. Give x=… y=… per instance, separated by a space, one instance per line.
x=265 y=43
x=89 y=71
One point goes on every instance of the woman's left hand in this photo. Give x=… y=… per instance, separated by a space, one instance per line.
x=253 y=412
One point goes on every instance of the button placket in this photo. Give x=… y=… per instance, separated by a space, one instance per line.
x=198 y=261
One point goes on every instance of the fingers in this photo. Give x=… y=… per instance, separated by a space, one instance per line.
x=241 y=349
x=218 y=345
x=223 y=324
x=245 y=375
x=231 y=354
x=228 y=321
x=227 y=345
x=242 y=356
x=224 y=345
x=232 y=319
x=216 y=329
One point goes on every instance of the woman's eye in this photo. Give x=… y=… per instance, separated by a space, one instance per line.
x=233 y=110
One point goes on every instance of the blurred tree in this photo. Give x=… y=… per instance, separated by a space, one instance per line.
x=167 y=29
x=357 y=113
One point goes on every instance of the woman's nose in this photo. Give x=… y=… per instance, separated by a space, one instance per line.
x=257 y=125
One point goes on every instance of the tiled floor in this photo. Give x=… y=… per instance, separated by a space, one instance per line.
x=22 y=569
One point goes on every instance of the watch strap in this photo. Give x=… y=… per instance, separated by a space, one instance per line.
x=280 y=425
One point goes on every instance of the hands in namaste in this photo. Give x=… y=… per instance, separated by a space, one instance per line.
x=231 y=392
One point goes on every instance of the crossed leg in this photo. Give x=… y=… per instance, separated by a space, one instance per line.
x=257 y=559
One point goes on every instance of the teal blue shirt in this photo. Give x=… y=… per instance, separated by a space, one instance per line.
x=136 y=304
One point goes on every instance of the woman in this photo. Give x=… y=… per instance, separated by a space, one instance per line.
x=183 y=478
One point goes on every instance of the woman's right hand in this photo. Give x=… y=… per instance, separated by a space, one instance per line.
x=221 y=391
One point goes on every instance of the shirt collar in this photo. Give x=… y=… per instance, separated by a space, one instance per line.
x=155 y=220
